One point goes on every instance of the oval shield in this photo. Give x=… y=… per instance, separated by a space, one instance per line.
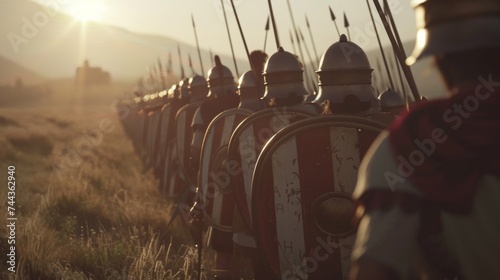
x=213 y=183
x=302 y=188
x=246 y=144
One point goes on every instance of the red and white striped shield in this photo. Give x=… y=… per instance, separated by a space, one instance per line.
x=162 y=137
x=214 y=174
x=302 y=207
x=183 y=121
x=246 y=144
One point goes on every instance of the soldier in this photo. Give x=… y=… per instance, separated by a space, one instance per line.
x=222 y=96
x=429 y=186
x=345 y=81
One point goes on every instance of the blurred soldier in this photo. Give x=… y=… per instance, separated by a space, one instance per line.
x=430 y=185
x=283 y=76
x=345 y=78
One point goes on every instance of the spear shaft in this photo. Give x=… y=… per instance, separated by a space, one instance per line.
x=267 y=31
x=401 y=58
x=162 y=77
x=401 y=48
x=229 y=36
x=380 y=45
x=312 y=41
x=298 y=40
x=241 y=32
x=346 y=25
x=275 y=29
x=293 y=43
x=332 y=15
x=180 y=62
x=197 y=45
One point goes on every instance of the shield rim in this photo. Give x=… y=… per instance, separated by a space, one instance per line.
x=213 y=123
x=265 y=159
x=233 y=149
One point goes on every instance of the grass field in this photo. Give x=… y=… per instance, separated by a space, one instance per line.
x=84 y=207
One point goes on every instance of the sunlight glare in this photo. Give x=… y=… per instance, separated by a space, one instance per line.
x=87 y=10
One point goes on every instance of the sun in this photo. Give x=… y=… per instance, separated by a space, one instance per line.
x=87 y=10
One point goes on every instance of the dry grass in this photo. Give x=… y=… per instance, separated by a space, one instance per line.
x=85 y=211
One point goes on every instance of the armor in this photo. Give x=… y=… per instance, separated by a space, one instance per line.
x=470 y=25
x=345 y=79
x=283 y=76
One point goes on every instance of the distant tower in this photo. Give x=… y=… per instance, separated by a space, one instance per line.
x=86 y=75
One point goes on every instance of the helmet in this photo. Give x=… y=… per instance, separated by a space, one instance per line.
x=345 y=76
x=390 y=99
x=184 y=91
x=220 y=80
x=447 y=26
x=173 y=92
x=283 y=76
x=198 y=87
x=247 y=87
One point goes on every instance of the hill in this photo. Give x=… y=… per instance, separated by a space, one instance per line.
x=53 y=43
x=11 y=71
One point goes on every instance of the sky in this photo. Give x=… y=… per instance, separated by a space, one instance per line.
x=172 y=18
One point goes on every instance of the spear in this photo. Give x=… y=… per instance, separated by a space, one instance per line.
x=169 y=65
x=346 y=25
x=211 y=58
x=293 y=43
x=332 y=15
x=401 y=57
x=267 y=31
x=180 y=62
x=307 y=50
x=380 y=45
x=229 y=36
x=297 y=39
x=162 y=77
x=275 y=29
x=388 y=14
x=313 y=67
x=197 y=44
x=241 y=32
x=312 y=40
x=191 y=64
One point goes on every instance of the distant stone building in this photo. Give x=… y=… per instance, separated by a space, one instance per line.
x=86 y=75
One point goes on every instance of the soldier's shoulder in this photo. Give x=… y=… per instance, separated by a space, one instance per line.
x=381 y=170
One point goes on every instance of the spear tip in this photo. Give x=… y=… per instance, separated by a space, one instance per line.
x=332 y=15
x=346 y=22
x=267 y=24
x=307 y=22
